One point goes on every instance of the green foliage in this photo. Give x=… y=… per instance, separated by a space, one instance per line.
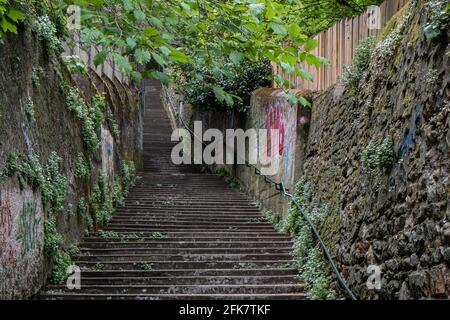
x=118 y=197
x=82 y=167
x=158 y=235
x=46 y=31
x=315 y=277
x=363 y=52
x=215 y=89
x=73 y=250
x=29 y=109
x=231 y=180
x=307 y=255
x=391 y=39
x=315 y=16
x=439 y=12
x=82 y=208
x=36 y=76
x=52 y=239
x=101 y=204
x=128 y=175
x=55 y=186
x=75 y=64
x=205 y=33
x=275 y=219
x=378 y=156
x=146 y=266
x=89 y=118
x=10 y=16
x=108 y=234
x=61 y=262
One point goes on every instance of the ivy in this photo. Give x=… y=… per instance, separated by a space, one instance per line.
x=82 y=167
x=10 y=16
x=61 y=262
x=307 y=254
x=363 y=52
x=128 y=175
x=378 y=156
x=46 y=31
x=90 y=119
x=75 y=64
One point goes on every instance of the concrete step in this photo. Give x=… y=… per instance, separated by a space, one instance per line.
x=187 y=289
x=100 y=296
x=183 y=244
x=161 y=264
x=190 y=280
x=182 y=234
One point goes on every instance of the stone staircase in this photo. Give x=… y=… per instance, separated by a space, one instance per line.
x=182 y=234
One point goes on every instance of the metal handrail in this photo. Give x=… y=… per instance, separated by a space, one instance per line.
x=279 y=186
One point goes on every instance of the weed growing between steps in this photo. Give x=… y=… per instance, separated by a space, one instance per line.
x=307 y=254
x=231 y=180
x=145 y=266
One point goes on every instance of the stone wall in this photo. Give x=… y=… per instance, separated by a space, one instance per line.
x=27 y=73
x=394 y=216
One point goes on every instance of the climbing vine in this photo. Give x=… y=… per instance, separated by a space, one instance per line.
x=307 y=253
x=90 y=118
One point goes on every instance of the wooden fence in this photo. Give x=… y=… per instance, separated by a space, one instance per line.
x=338 y=43
x=108 y=68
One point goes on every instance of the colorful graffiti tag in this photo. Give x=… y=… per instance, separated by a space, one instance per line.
x=275 y=121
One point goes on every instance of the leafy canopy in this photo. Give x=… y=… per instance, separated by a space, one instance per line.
x=204 y=33
x=207 y=32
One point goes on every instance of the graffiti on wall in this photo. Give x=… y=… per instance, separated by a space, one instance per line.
x=409 y=134
x=29 y=227
x=279 y=115
x=7 y=257
x=275 y=121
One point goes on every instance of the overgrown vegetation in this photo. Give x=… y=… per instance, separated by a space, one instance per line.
x=439 y=13
x=29 y=109
x=10 y=16
x=90 y=118
x=204 y=88
x=378 y=156
x=363 y=52
x=75 y=64
x=82 y=167
x=53 y=186
x=307 y=254
x=230 y=179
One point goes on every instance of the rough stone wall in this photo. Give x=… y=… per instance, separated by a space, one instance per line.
x=23 y=265
x=398 y=218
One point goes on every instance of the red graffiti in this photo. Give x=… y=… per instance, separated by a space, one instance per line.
x=274 y=121
x=6 y=231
